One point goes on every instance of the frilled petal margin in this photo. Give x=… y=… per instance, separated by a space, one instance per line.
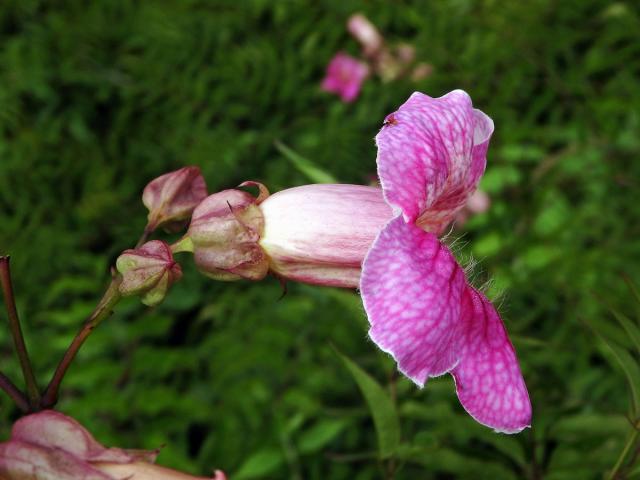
x=431 y=155
x=423 y=312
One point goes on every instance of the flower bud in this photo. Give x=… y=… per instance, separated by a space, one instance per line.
x=148 y=271
x=421 y=71
x=172 y=197
x=320 y=234
x=366 y=33
x=223 y=236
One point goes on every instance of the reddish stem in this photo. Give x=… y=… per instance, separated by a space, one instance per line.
x=102 y=311
x=16 y=394
x=16 y=332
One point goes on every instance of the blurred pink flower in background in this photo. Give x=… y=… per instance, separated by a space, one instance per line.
x=421 y=71
x=344 y=76
x=478 y=202
x=366 y=33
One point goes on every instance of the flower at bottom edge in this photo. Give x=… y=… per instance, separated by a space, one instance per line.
x=51 y=446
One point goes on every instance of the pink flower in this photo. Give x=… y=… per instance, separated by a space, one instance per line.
x=422 y=310
x=344 y=77
x=51 y=446
x=366 y=33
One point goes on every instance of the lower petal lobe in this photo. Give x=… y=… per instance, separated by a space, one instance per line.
x=488 y=379
x=412 y=290
x=424 y=313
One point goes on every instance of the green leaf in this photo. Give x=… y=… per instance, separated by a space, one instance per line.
x=385 y=416
x=260 y=464
x=321 y=434
x=304 y=165
x=631 y=328
x=631 y=370
x=591 y=425
x=629 y=366
x=634 y=291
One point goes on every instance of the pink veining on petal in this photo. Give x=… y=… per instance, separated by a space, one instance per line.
x=431 y=156
x=488 y=379
x=423 y=312
x=412 y=290
x=344 y=77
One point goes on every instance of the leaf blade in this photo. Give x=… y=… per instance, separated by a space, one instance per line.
x=304 y=165
x=383 y=411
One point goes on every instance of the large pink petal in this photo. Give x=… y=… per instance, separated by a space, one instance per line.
x=423 y=312
x=488 y=379
x=431 y=155
x=412 y=291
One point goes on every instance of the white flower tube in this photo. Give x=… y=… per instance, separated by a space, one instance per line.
x=321 y=233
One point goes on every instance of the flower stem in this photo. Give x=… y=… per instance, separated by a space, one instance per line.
x=16 y=332
x=16 y=395
x=632 y=438
x=185 y=244
x=148 y=230
x=103 y=310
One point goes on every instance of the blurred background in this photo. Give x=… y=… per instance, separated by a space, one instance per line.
x=97 y=98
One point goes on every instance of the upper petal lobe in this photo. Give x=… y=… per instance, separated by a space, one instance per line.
x=431 y=155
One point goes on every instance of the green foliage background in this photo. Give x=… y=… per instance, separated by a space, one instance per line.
x=97 y=98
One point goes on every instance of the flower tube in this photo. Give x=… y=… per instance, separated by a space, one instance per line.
x=320 y=234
